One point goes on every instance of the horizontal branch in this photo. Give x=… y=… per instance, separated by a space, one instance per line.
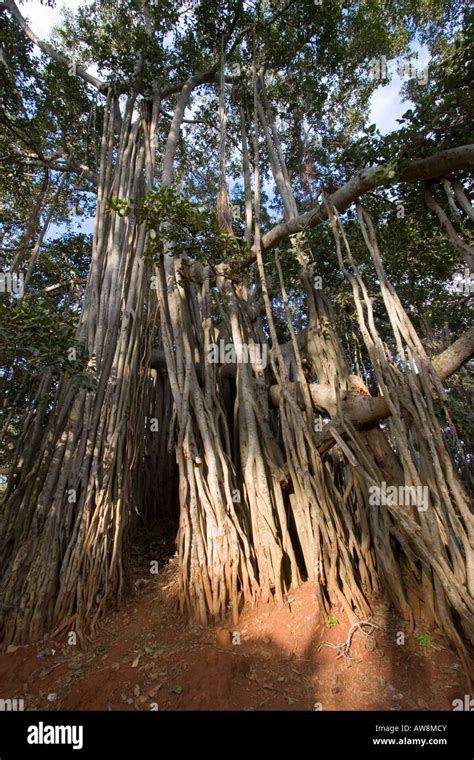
x=365 y=412
x=362 y=411
x=458 y=353
x=58 y=285
x=68 y=168
x=419 y=170
x=203 y=77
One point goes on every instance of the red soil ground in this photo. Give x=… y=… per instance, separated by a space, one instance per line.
x=147 y=656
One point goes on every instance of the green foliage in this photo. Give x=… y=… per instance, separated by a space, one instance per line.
x=119 y=205
x=424 y=640
x=193 y=230
x=35 y=333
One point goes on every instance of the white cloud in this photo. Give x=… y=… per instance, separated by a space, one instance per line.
x=386 y=105
x=42 y=18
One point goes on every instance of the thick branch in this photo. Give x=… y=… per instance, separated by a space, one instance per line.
x=177 y=120
x=49 y=50
x=457 y=354
x=363 y=411
x=363 y=181
x=204 y=77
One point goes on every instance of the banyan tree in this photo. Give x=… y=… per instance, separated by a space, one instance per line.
x=251 y=357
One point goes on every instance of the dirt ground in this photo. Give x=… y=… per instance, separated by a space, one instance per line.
x=146 y=656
